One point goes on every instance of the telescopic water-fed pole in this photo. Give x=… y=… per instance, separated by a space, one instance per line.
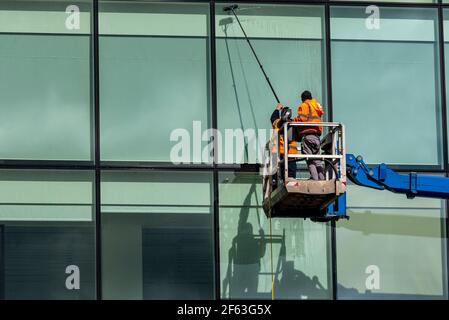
x=232 y=9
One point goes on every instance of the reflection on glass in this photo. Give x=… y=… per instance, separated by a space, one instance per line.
x=157 y=235
x=289 y=43
x=47 y=235
x=154 y=79
x=44 y=81
x=299 y=261
x=391 y=248
x=385 y=83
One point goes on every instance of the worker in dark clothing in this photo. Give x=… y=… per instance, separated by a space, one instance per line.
x=311 y=111
x=277 y=121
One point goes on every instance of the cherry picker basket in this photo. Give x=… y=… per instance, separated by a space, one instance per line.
x=302 y=197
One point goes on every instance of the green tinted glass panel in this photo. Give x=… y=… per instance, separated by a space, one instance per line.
x=300 y=248
x=289 y=43
x=391 y=248
x=154 y=78
x=378 y=77
x=45 y=81
x=157 y=235
x=47 y=235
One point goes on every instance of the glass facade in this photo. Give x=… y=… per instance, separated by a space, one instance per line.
x=400 y=239
x=153 y=69
x=108 y=184
x=45 y=85
x=47 y=220
x=156 y=245
x=290 y=42
x=301 y=248
x=385 y=71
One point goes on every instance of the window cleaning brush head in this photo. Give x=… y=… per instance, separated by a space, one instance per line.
x=230 y=8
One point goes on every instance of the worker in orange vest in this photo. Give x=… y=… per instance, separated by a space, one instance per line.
x=277 y=121
x=311 y=111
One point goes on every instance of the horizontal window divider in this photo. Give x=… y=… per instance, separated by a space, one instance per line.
x=233 y=206
x=239 y=167
x=283 y=2
x=383 y=4
x=400 y=168
x=409 y=168
x=395 y=208
x=124 y=35
x=46 y=34
x=129 y=165
x=47 y=164
x=269 y=38
x=337 y=3
x=156 y=205
x=384 y=41
x=46 y=204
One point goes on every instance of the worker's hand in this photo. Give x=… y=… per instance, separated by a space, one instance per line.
x=279 y=106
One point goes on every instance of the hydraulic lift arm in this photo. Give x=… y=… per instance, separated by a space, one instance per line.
x=382 y=177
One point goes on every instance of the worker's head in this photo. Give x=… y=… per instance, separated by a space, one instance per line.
x=246 y=228
x=306 y=95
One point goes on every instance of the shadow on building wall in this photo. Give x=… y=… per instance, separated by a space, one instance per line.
x=244 y=265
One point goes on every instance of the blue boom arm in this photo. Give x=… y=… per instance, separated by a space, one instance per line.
x=382 y=177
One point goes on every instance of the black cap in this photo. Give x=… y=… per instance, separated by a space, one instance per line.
x=306 y=95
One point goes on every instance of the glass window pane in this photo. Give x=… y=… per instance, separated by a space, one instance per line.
x=154 y=77
x=157 y=235
x=289 y=43
x=301 y=248
x=385 y=84
x=47 y=234
x=45 y=80
x=392 y=247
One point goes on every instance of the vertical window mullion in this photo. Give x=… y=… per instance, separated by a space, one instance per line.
x=96 y=94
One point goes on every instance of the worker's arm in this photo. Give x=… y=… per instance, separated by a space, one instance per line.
x=276 y=113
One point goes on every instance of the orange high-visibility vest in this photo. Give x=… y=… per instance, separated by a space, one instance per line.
x=291 y=146
x=309 y=111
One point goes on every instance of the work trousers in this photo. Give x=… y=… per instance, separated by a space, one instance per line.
x=310 y=144
x=291 y=168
